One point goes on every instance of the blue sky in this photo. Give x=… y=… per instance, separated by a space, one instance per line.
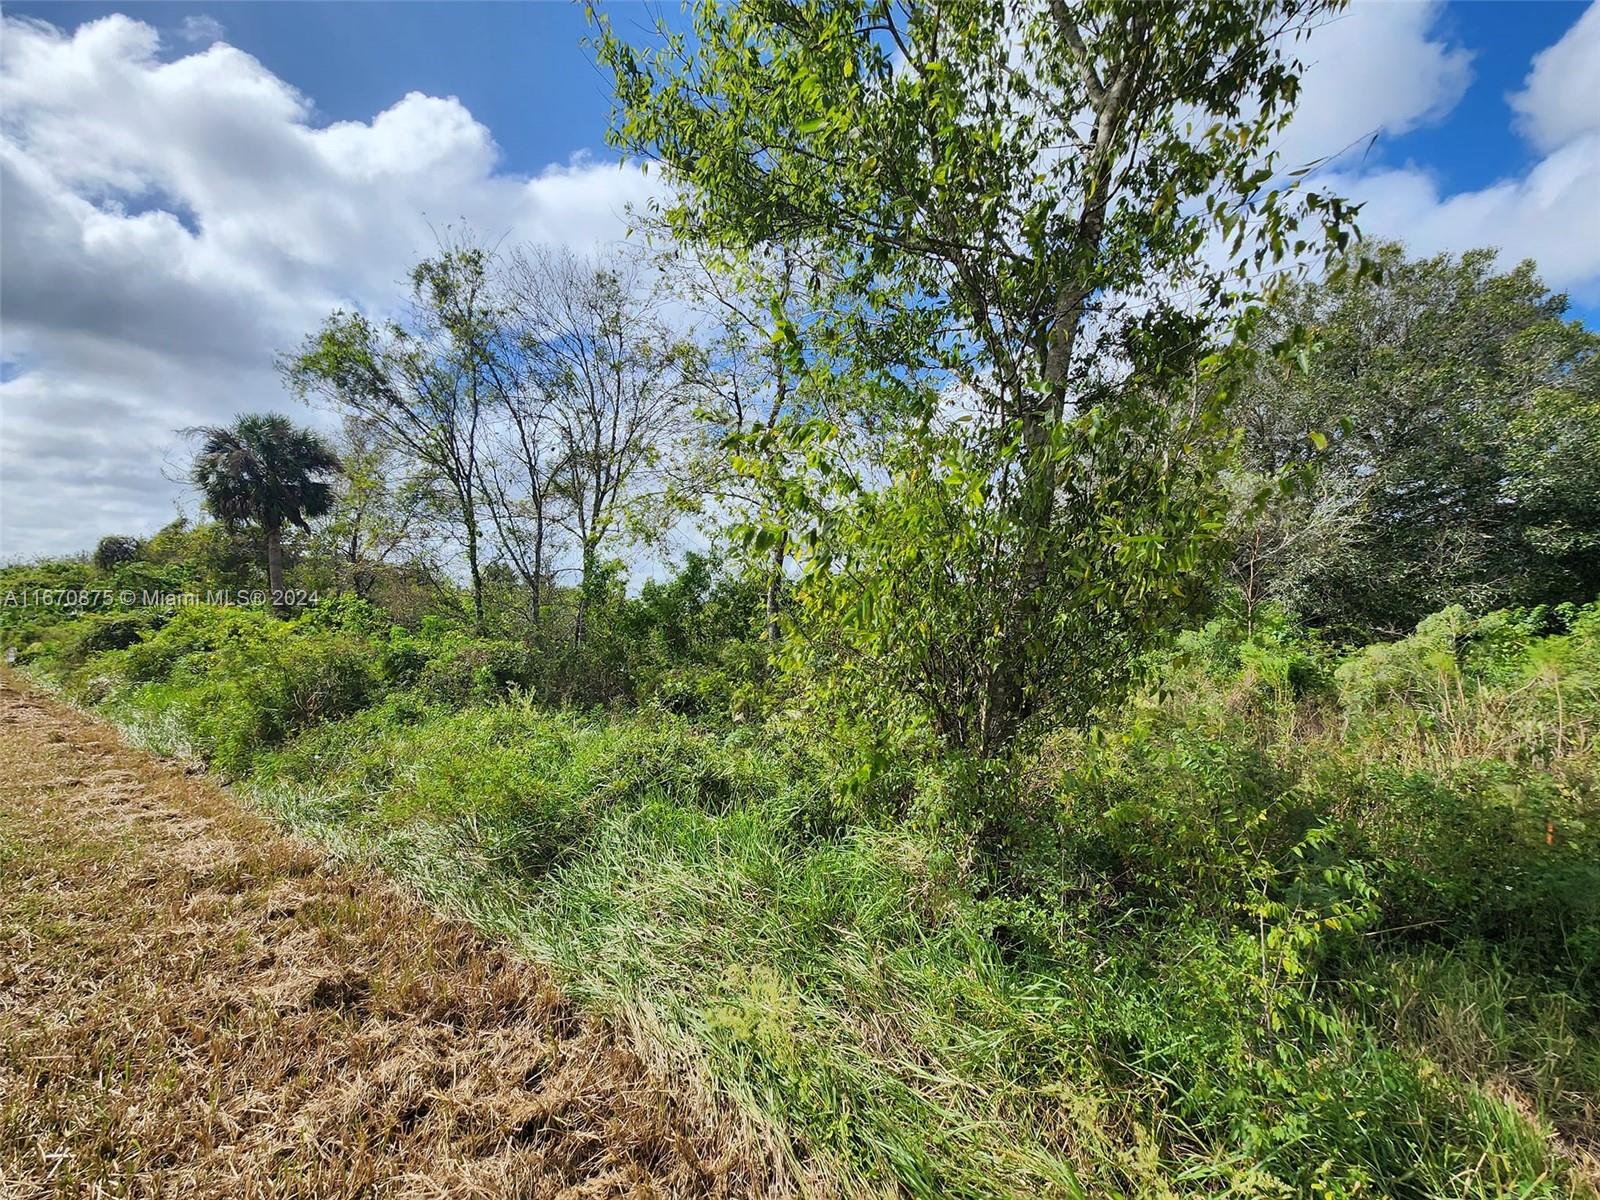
x=520 y=68
x=1477 y=144
x=189 y=187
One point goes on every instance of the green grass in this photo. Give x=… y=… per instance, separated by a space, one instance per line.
x=853 y=989
x=1273 y=933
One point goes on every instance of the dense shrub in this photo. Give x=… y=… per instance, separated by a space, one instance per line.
x=93 y=634
x=239 y=680
x=32 y=622
x=1486 y=687
x=446 y=665
x=194 y=632
x=112 y=551
x=1293 y=922
x=1456 y=773
x=688 y=644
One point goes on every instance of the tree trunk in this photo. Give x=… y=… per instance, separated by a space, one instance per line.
x=275 y=566
x=358 y=577
x=780 y=398
x=580 y=626
x=774 y=581
x=477 y=576
x=1040 y=412
x=538 y=565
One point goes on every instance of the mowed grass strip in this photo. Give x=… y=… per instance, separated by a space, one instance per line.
x=191 y=1004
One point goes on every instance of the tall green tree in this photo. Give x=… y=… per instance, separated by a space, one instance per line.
x=264 y=471
x=1456 y=414
x=1034 y=218
x=423 y=382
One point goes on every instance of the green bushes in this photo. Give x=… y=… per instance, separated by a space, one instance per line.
x=184 y=642
x=75 y=643
x=96 y=633
x=1457 y=769
x=1487 y=687
x=1244 y=941
x=40 y=604
x=58 y=615
x=688 y=645
x=1301 y=831
x=240 y=681
x=1479 y=851
x=445 y=665
x=1291 y=923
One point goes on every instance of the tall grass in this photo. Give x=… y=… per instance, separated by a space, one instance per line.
x=1294 y=923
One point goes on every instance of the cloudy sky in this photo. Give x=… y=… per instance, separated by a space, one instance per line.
x=185 y=191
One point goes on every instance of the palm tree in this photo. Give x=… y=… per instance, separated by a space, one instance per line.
x=263 y=470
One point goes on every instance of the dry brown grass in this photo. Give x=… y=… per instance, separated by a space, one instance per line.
x=193 y=1005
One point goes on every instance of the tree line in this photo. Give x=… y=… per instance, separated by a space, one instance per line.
x=530 y=399
x=535 y=412
x=986 y=432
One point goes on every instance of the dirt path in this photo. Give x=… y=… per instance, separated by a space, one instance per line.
x=192 y=1005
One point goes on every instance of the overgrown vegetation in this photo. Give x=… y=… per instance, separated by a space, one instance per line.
x=1134 y=728
x=1294 y=919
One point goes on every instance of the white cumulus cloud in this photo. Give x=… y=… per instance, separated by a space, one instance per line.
x=1373 y=68
x=1549 y=213
x=1560 y=102
x=170 y=223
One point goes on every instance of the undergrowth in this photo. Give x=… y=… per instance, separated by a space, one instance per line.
x=1294 y=922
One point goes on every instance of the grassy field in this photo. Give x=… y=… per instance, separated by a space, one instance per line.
x=1299 y=923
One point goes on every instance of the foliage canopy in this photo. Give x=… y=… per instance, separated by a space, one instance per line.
x=1011 y=214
